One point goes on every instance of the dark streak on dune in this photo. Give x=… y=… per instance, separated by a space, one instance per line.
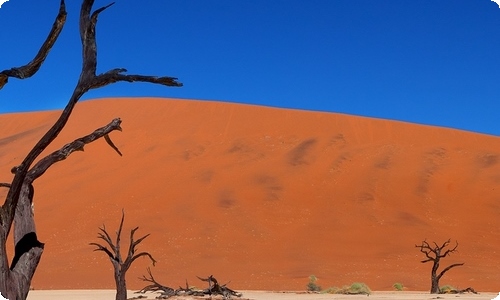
x=408 y=219
x=365 y=196
x=271 y=185
x=431 y=163
x=301 y=154
x=226 y=199
x=487 y=160
x=21 y=135
x=206 y=176
x=339 y=161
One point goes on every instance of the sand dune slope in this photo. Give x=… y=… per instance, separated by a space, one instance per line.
x=263 y=197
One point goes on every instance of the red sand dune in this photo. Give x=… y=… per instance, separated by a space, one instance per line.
x=263 y=197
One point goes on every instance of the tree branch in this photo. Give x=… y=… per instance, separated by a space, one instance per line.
x=118 y=236
x=448 y=268
x=33 y=66
x=103 y=249
x=155 y=286
x=77 y=145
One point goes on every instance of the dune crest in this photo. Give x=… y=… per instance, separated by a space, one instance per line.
x=261 y=196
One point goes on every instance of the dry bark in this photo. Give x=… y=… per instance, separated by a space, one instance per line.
x=15 y=278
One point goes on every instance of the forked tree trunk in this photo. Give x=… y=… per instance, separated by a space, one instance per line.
x=113 y=251
x=434 y=254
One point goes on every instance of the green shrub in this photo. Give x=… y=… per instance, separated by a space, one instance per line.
x=446 y=289
x=312 y=286
x=398 y=286
x=359 y=288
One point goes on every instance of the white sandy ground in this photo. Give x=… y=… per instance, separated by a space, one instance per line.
x=255 y=295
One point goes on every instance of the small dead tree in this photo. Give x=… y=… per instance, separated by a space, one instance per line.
x=434 y=254
x=17 y=210
x=115 y=255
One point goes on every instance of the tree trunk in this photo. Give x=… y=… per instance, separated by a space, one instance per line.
x=121 y=285
x=434 y=284
x=435 y=277
x=15 y=281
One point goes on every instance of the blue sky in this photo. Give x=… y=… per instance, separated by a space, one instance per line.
x=426 y=61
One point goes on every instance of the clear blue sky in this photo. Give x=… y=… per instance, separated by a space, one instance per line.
x=433 y=62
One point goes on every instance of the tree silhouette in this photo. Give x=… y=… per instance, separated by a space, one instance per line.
x=115 y=255
x=17 y=210
x=434 y=254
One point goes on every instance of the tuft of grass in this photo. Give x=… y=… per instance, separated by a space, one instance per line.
x=356 y=288
x=359 y=288
x=398 y=286
x=312 y=286
x=445 y=289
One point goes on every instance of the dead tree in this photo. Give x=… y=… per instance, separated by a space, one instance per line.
x=115 y=255
x=155 y=287
x=434 y=254
x=214 y=288
x=15 y=278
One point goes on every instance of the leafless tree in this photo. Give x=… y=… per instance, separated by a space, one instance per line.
x=434 y=254
x=15 y=278
x=114 y=253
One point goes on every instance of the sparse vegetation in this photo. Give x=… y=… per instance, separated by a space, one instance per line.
x=398 y=286
x=357 y=288
x=446 y=289
x=312 y=286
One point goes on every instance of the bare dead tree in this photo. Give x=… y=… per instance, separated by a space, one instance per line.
x=214 y=288
x=15 y=279
x=115 y=255
x=434 y=254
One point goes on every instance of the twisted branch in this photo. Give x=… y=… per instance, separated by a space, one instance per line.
x=33 y=66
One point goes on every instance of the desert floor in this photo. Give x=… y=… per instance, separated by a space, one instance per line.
x=254 y=295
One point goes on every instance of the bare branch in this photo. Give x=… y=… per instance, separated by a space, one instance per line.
x=77 y=145
x=118 y=237
x=111 y=144
x=33 y=66
x=100 y=247
x=449 y=251
x=103 y=235
x=115 y=76
x=155 y=286
x=153 y=261
x=448 y=268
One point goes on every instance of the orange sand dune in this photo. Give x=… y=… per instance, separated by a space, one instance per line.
x=263 y=197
